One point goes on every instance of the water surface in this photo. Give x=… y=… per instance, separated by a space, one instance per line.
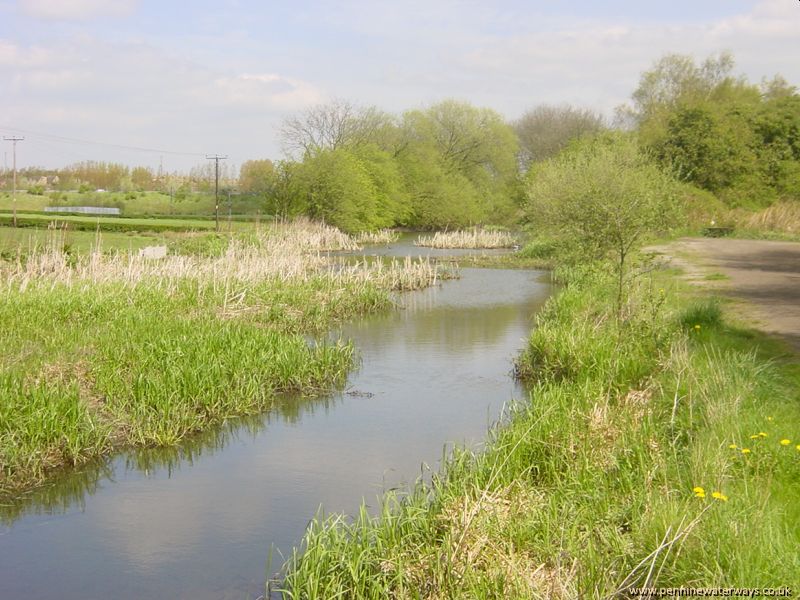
x=199 y=522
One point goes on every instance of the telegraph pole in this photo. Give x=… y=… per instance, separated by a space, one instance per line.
x=216 y=158
x=14 y=139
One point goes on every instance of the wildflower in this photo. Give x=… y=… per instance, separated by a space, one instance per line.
x=798 y=447
x=785 y=442
x=719 y=496
x=755 y=436
x=732 y=446
x=700 y=495
x=762 y=434
x=698 y=490
x=769 y=418
x=697 y=327
x=745 y=450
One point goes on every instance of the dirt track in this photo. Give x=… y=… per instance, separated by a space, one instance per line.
x=765 y=275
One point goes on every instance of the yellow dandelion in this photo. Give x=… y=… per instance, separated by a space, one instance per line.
x=745 y=450
x=719 y=496
x=700 y=495
x=762 y=434
x=798 y=447
x=698 y=490
x=697 y=327
x=785 y=442
x=732 y=446
x=755 y=436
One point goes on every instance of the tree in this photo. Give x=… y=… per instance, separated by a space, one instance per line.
x=287 y=198
x=256 y=177
x=336 y=187
x=546 y=130
x=709 y=147
x=331 y=126
x=603 y=197
x=459 y=163
x=142 y=178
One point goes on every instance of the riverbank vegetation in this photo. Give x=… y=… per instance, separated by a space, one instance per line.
x=109 y=350
x=471 y=239
x=659 y=446
x=657 y=450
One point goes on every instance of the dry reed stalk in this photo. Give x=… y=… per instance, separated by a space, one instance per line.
x=783 y=216
x=383 y=236
x=289 y=252
x=474 y=239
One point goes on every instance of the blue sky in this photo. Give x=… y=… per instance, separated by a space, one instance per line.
x=205 y=77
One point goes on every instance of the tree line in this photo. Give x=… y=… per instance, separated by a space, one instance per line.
x=724 y=139
x=454 y=165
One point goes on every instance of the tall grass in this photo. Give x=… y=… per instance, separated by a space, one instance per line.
x=472 y=239
x=781 y=217
x=587 y=490
x=106 y=350
x=383 y=236
x=44 y=424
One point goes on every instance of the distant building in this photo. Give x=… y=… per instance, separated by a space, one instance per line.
x=84 y=210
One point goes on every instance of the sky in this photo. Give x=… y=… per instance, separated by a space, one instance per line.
x=166 y=83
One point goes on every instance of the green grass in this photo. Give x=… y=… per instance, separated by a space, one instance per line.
x=716 y=277
x=120 y=224
x=587 y=490
x=24 y=239
x=93 y=367
x=136 y=203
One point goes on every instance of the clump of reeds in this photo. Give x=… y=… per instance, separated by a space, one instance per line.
x=402 y=275
x=472 y=239
x=303 y=234
x=382 y=236
x=780 y=217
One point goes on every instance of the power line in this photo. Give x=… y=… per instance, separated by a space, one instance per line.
x=216 y=158
x=14 y=139
x=69 y=140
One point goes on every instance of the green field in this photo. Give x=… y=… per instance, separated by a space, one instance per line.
x=134 y=204
x=26 y=239
x=93 y=223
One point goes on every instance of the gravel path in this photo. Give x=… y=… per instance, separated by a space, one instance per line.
x=765 y=275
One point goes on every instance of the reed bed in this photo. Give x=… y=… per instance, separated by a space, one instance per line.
x=472 y=239
x=303 y=234
x=401 y=275
x=383 y=236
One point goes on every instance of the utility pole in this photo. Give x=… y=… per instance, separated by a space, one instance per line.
x=14 y=139
x=216 y=158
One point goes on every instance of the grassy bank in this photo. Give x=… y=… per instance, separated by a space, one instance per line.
x=662 y=449
x=110 y=350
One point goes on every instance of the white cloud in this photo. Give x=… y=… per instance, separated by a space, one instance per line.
x=264 y=90
x=135 y=94
x=77 y=10
x=11 y=55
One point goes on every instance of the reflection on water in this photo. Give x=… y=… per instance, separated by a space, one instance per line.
x=67 y=490
x=199 y=521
